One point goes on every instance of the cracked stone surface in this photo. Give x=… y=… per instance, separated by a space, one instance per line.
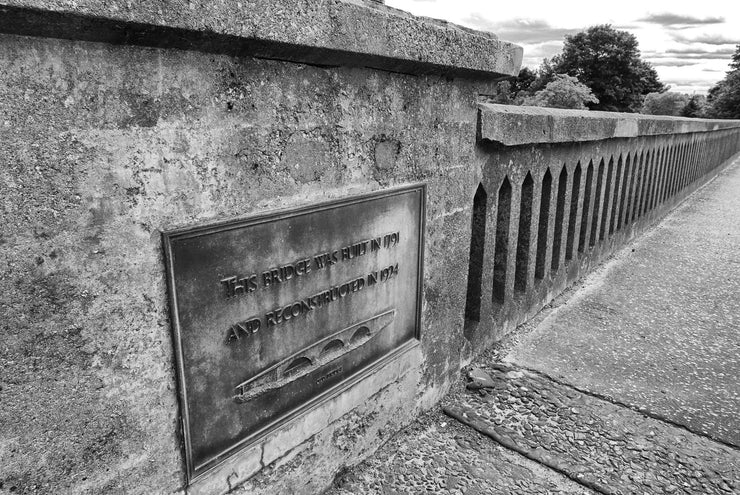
x=604 y=446
x=658 y=327
x=440 y=455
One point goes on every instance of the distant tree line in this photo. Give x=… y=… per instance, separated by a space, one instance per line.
x=676 y=104
x=601 y=69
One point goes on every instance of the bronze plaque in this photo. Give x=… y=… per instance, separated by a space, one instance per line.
x=273 y=314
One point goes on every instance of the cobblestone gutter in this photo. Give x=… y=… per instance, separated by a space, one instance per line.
x=525 y=422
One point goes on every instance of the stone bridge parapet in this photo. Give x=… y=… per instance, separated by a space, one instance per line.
x=563 y=189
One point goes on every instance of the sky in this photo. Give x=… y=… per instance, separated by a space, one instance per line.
x=688 y=43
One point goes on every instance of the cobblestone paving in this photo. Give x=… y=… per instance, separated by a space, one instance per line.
x=609 y=448
x=440 y=455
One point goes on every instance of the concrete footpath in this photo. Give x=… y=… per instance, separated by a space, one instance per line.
x=627 y=383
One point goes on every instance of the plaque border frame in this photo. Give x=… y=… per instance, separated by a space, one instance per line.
x=193 y=472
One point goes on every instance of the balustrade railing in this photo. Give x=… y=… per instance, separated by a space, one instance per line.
x=561 y=190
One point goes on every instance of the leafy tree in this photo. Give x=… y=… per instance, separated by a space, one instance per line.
x=517 y=90
x=723 y=100
x=695 y=107
x=503 y=94
x=512 y=91
x=735 y=64
x=544 y=75
x=664 y=103
x=608 y=61
x=563 y=91
x=523 y=81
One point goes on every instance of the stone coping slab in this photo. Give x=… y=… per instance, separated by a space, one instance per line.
x=512 y=125
x=328 y=32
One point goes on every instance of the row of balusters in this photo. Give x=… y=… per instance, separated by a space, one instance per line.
x=625 y=188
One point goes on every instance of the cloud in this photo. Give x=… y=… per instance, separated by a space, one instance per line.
x=530 y=31
x=667 y=19
x=694 y=88
x=674 y=63
x=690 y=53
x=689 y=56
x=547 y=49
x=697 y=50
x=684 y=81
x=709 y=39
x=534 y=54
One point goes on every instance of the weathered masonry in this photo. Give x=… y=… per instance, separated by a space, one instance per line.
x=242 y=243
x=233 y=237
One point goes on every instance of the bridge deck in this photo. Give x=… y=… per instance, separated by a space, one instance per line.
x=658 y=327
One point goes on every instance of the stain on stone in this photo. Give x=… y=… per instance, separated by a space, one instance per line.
x=102 y=211
x=103 y=444
x=48 y=293
x=133 y=191
x=143 y=111
x=355 y=426
x=306 y=158
x=386 y=153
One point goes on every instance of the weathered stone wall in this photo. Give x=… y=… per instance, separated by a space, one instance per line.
x=104 y=146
